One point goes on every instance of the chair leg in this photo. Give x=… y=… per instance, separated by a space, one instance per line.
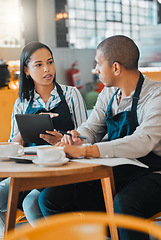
x=156 y=217
x=20 y=217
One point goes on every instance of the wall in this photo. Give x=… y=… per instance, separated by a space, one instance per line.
x=64 y=57
x=30 y=32
x=10 y=53
x=150 y=45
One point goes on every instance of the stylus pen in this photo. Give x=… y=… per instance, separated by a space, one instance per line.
x=78 y=136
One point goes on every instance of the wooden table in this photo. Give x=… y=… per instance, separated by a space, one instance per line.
x=29 y=176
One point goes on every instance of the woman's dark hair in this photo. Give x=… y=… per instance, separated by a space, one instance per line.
x=26 y=88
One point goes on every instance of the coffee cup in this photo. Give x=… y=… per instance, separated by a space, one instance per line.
x=10 y=149
x=50 y=154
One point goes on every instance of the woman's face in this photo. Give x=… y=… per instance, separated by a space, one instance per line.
x=41 y=67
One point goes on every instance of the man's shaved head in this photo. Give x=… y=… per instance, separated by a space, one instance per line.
x=120 y=49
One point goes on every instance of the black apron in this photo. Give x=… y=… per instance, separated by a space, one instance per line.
x=124 y=124
x=64 y=121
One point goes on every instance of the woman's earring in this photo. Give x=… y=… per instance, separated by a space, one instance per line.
x=28 y=76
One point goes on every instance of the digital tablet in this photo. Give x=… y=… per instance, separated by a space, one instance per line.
x=32 y=125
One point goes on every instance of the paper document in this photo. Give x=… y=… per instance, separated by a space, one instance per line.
x=111 y=161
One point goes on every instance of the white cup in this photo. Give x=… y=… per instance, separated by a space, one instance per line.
x=50 y=154
x=10 y=149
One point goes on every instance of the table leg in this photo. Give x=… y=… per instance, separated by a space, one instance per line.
x=108 y=188
x=12 y=204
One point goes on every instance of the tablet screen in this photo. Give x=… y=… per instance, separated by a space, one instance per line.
x=31 y=125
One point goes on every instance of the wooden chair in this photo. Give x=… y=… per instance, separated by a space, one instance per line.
x=156 y=217
x=20 y=217
x=89 y=225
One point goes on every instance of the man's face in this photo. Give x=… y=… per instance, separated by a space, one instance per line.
x=103 y=69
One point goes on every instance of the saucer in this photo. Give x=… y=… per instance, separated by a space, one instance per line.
x=50 y=164
x=7 y=158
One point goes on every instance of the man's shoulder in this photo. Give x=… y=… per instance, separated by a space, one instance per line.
x=151 y=90
x=151 y=83
x=151 y=87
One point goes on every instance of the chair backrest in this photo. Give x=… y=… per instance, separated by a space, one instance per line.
x=90 y=225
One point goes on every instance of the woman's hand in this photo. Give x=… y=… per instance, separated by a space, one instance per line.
x=74 y=140
x=51 y=137
x=51 y=114
x=18 y=139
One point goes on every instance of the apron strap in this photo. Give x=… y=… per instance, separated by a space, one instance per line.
x=60 y=91
x=137 y=92
x=110 y=103
x=31 y=110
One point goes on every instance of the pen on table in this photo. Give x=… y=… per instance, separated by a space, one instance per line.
x=78 y=136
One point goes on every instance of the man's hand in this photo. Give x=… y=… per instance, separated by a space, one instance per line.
x=51 y=137
x=74 y=140
x=73 y=151
x=79 y=151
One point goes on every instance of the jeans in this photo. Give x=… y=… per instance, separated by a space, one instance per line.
x=140 y=197
x=73 y=197
x=4 y=189
x=31 y=207
x=28 y=202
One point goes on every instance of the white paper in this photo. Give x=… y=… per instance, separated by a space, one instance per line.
x=111 y=161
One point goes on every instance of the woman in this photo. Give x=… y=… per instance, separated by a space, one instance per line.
x=40 y=93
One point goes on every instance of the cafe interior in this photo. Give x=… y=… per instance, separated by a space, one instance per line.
x=72 y=29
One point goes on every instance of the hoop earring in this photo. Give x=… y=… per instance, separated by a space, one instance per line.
x=27 y=76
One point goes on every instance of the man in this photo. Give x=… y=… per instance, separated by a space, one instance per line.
x=129 y=111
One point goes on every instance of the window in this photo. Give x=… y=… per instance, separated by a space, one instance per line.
x=90 y=21
x=10 y=34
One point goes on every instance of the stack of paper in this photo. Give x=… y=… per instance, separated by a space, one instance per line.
x=111 y=161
